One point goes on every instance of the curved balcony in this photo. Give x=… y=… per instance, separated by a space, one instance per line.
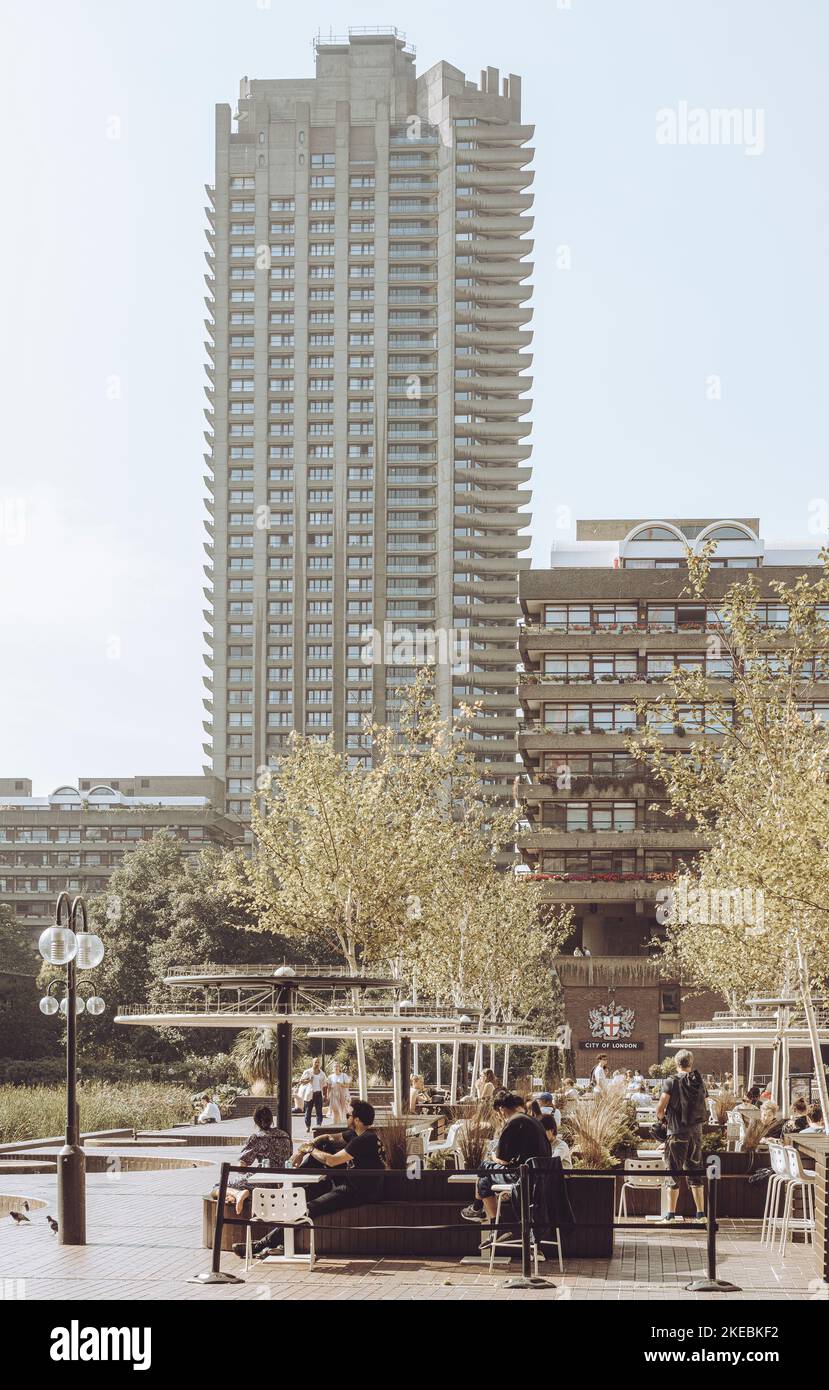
x=495 y=157
x=506 y=498
x=483 y=246
x=509 y=270
x=489 y=376
x=494 y=292
x=510 y=453
x=484 y=473
x=481 y=520
x=503 y=184
x=512 y=315
x=492 y=431
x=496 y=362
x=493 y=224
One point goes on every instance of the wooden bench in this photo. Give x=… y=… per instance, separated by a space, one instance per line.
x=372 y=1230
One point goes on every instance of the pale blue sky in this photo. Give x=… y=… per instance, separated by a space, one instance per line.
x=687 y=263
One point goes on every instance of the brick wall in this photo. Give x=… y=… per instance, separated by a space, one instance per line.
x=644 y=999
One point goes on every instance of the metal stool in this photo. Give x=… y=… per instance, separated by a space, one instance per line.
x=804 y=1179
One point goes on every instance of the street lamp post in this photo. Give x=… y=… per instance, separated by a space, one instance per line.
x=65 y=944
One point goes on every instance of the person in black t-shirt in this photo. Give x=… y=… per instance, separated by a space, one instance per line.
x=682 y=1107
x=359 y=1148
x=521 y=1138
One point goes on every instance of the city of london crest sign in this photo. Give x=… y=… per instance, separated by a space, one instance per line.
x=610 y=1022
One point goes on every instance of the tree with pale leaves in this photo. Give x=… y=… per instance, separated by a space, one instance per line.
x=755 y=782
x=361 y=859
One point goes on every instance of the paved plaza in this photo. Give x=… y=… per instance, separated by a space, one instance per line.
x=144 y=1243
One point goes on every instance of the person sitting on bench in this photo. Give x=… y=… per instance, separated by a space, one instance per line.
x=267 y=1147
x=521 y=1138
x=359 y=1149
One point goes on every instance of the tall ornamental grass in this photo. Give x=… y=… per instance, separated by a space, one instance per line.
x=37 y=1112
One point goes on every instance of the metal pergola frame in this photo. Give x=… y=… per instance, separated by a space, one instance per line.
x=283 y=999
x=778 y=1028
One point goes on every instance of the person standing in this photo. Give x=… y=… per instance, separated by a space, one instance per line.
x=682 y=1107
x=313 y=1091
x=339 y=1096
x=598 y=1076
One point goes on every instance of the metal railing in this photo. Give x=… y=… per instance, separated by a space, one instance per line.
x=334 y=972
x=321 y=40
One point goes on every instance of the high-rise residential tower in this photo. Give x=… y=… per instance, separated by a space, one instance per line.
x=368 y=442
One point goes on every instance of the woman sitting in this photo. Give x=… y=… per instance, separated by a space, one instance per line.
x=266 y=1148
x=771 y=1120
x=485 y=1086
x=418 y=1094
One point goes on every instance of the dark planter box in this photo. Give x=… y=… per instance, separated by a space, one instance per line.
x=377 y=1229
x=592 y=1199
x=737 y=1197
x=408 y=1221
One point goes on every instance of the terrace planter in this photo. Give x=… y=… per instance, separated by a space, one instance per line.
x=592 y=1197
x=737 y=1197
x=421 y=1217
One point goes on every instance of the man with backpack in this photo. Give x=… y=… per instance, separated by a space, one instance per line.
x=682 y=1107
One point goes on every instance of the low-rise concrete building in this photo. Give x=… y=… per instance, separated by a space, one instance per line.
x=604 y=627
x=74 y=838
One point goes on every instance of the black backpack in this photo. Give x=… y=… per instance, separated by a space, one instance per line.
x=688 y=1098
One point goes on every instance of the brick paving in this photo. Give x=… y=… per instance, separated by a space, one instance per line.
x=144 y=1234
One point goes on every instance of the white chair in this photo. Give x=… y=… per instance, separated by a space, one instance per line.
x=504 y=1191
x=279 y=1206
x=646 y=1173
x=445 y=1145
x=733 y=1131
x=804 y=1180
x=774 y=1190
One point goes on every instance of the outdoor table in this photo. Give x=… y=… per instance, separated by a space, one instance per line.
x=482 y=1258
x=289 y=1180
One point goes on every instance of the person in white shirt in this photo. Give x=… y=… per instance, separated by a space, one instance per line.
x=598 y=1076
x=558 y=1147
x=815 y=1117
x=313 y=1090
x=210 y=1115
